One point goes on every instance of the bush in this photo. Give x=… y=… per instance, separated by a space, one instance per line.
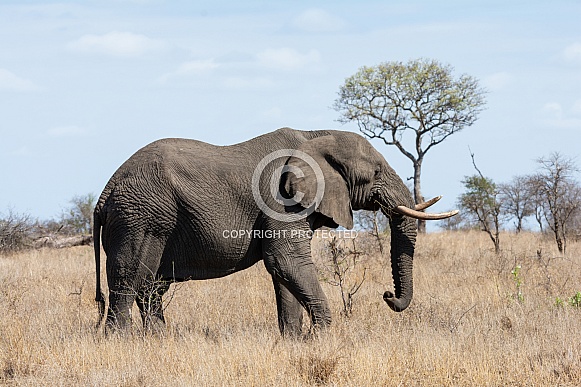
x=78 y=219
x=16 y=232
x=21 y=231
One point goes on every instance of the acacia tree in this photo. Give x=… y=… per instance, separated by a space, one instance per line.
x=484 y=203
x=482 y=200
x=413 y=106
x=558 y=194
x=78 y=219
x=518 y=200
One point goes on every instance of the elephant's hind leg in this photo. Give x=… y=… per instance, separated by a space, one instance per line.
x=121 y=293
x=119 y=313
x=129 y=267
x=150 y=303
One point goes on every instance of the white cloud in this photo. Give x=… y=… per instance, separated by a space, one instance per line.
x=497 y=81
x=67 y=131
x=573 y=52
x=553 y=109
x=318 y=20
x=237 y=74
x=249 y=83
x=11 y=82
x=191 y=68
x=125 y=44
x=196 y=67
x=287 y=58
x=558 y=117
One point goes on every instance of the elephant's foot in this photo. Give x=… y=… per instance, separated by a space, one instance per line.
x=318 y=330
x=154 y=325
x=291 y=330
x=114 y=327
x=118 y=318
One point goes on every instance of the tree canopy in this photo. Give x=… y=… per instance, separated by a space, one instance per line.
x=420 y=97
x=481 y=200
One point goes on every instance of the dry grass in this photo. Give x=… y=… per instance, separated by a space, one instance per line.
x=466 y=325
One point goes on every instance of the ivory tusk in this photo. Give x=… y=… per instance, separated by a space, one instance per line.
x=422 y=215
x=424 y=205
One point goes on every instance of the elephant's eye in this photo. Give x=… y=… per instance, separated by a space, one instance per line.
x=377 y=171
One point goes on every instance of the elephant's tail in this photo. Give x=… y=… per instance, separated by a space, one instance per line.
x=99 y=297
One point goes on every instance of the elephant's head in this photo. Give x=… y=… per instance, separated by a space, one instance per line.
x=357 y=177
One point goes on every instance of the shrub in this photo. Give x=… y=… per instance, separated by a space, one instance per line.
x=15 y=232
x=78 y=219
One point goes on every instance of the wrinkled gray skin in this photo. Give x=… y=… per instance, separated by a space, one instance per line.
x=164 y=214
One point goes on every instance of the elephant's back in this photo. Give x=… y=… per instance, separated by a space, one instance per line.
x=180 y=154
x=192 y=171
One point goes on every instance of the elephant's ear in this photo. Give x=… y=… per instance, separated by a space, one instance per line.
x=311 y=167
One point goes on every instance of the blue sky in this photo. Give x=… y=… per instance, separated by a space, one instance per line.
x=84 y=84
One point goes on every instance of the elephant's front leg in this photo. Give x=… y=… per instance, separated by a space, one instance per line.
x=289 y=261
x=290 y=310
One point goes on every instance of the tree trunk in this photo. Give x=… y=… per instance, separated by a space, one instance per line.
x=62 y=242
x=539 y=218
x=558 y=238
x=377 y=234
x=418 y=192
x=519 y=224
x=559 y=244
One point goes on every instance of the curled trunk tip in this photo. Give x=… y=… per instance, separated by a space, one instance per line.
x=396 y=304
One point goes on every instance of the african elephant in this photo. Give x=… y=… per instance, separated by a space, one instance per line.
x=168 y=215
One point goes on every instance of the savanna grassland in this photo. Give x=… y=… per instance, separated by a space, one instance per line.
x=474 y=321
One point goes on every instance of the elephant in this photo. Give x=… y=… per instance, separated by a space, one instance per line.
x=181 y=209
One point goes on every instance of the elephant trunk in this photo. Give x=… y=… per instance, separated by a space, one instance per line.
x=403 y=238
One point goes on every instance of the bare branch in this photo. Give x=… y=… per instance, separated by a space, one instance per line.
x=474 y=163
